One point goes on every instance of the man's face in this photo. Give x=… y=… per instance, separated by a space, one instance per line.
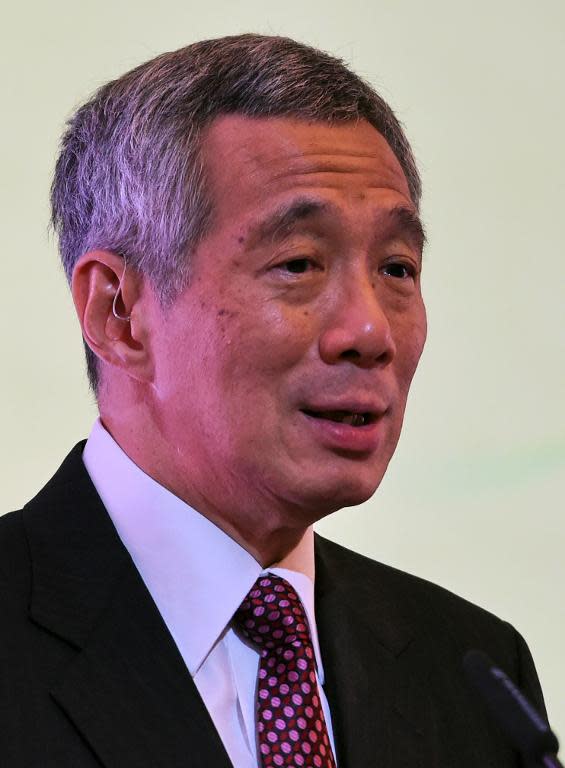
x=282 y=371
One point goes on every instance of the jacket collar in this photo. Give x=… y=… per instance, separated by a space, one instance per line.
x=375 y=670
x=127 y=690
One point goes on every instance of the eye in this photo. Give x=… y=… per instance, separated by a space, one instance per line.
x=297 y=266
x=399 y=270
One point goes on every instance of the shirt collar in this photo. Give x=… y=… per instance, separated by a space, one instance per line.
x=197 y=575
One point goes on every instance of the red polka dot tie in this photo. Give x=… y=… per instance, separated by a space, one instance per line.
x=291 y=727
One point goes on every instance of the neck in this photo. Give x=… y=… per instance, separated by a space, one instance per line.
x=268 y=530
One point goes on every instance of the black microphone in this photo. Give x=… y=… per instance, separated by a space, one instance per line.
x=524 y=727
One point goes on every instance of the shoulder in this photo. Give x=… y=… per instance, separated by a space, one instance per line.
x=14 y=552
x=15 y=583
x=374 y=574
x=446 y=624
x=427 y=608
x=21 y=528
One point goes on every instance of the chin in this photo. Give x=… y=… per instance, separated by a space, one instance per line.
x=344 y=489
x=354 y=494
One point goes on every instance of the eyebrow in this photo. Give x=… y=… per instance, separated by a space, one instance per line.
x=281 y=222
x=409 y=223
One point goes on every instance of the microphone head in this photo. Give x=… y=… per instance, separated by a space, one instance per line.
x=524 y=727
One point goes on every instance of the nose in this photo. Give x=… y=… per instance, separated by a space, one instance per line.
x=358 y=329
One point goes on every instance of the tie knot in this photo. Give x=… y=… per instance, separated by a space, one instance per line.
x=272 y=617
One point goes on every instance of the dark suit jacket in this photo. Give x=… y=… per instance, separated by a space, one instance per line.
x=90 y=676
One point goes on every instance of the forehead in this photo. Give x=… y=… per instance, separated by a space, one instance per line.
x=255 y=161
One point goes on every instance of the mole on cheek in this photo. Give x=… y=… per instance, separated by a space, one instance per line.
x=227 y=313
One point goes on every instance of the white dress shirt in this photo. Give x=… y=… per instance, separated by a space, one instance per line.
x=198 y=576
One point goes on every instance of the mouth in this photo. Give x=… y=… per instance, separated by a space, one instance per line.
x=355 y=427
x=351 y=418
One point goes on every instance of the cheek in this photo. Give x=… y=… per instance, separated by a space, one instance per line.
x=263 y=341
x=409 y=346
x=258 y=352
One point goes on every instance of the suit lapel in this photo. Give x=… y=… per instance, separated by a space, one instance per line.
x=127 y=690
x=380 y=712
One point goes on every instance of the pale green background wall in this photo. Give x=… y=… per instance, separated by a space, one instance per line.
x=474 y=496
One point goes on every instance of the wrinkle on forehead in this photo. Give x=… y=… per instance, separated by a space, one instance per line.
x=324 y=169
x=247 y=158
x=336 y=158
x=269 y=139
x=301 y=168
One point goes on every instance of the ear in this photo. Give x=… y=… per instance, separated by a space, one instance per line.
x=101 y=283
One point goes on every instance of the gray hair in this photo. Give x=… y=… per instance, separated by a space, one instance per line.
x=130 y=177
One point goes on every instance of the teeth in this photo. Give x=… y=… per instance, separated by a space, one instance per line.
x=354 y=419
x=343 y=417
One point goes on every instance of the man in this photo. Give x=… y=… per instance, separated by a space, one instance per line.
x=239 y=224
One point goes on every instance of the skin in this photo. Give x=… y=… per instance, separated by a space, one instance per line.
x=206 y=397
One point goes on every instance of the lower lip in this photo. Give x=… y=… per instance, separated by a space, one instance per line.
x=337 y=435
